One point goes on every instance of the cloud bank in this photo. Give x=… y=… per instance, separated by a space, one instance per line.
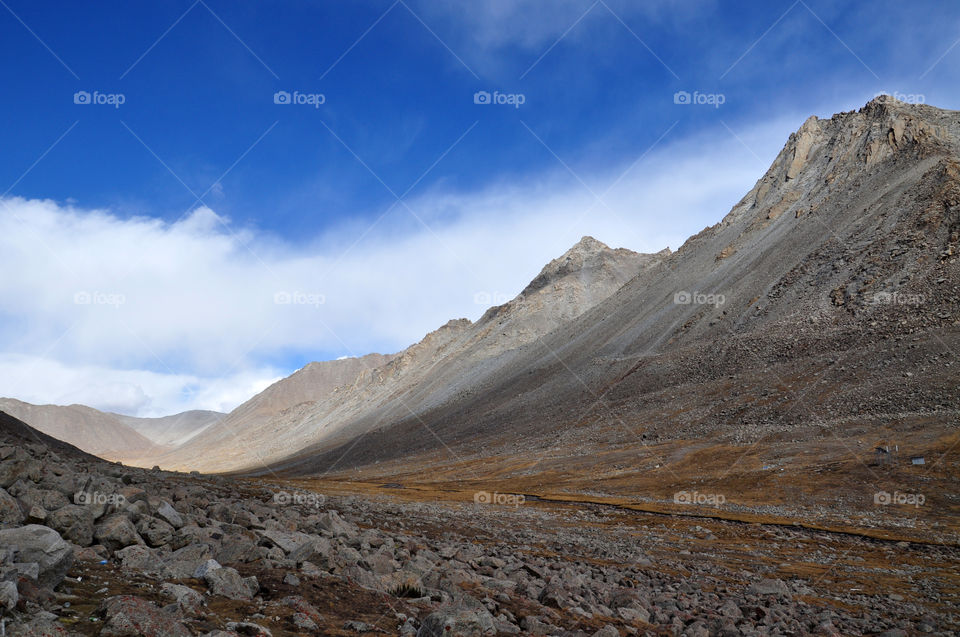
x=146 y=317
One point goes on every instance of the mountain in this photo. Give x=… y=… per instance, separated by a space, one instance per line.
x=94 y=431
x=108 y=435
x=309 y=384
x=437 y=368
x=171 y=430
x=817 y=319
x=15 y=431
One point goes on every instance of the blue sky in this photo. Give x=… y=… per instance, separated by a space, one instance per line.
x=398 y=202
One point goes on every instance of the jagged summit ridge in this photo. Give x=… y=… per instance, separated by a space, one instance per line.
x=586 y=255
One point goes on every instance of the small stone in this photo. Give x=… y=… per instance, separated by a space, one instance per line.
x=249 y=628
x=303 y=623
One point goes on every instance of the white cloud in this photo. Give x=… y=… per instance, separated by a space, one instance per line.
x=145 y=317
x=535 y=24
x=41 y=380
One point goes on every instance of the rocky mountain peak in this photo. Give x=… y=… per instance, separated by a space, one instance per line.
x=586 y=255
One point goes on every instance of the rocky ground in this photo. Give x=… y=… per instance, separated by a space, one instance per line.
x=93 y=548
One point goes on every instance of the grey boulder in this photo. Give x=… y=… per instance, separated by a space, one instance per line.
x=43 y=546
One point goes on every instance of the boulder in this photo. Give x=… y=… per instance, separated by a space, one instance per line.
x=140 y=558
x=206 y=567
x=74 y=522
x=359 y=627
x=237 y=547
x=774 y=587
x=41 y=624
x=129 y=616
x=45 y=547
x=170 y=515
x=22 y=466
x=8 y=595
x=10 y=513
x=248 y=628
x=227 y=582
x=331 y=522
x=36 y=515
x=183 y=562
x=317 y=550
x=46 y=499
x=304 y=624
x=302 y=606
x=187 y=599
x=155 y=531
x=116 y=531
x=286 y=540
x=457 y=621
